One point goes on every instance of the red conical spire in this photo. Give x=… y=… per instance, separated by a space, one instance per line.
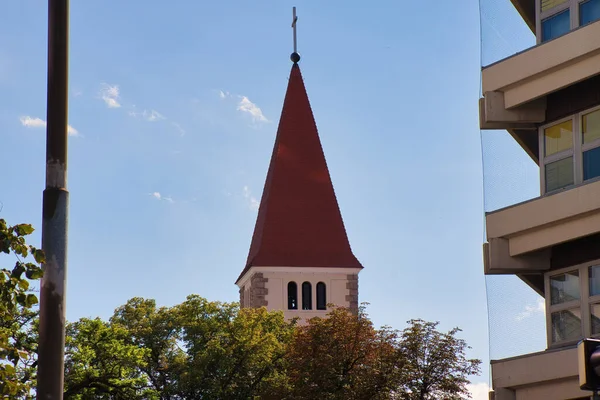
x=299 y=223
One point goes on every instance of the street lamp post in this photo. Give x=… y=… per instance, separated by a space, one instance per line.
x=51 y=348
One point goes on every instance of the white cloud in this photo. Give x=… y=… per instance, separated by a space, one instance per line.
x=253 y=204
x=40 y=123
x=245 y=105
x=110 y=95
x=160 y=197
x=33 y=122
x=72 y=131
x=479 y=391
x=531 y=309
x=179 y=128
x=152 y=115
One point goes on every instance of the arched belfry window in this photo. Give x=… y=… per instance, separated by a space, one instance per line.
x=292 y=292
x=321 y=296
x=306 y=296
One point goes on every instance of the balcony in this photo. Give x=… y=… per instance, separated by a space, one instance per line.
x=516 y=87
x=521 y=237
x=530 y=377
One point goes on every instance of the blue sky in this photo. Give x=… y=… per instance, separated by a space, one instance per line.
x=174 y=109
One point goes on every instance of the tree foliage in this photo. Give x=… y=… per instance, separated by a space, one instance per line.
x=437 y=367
x=18 y=333
x=343 y=357
x=100 y=363
x=211 y=350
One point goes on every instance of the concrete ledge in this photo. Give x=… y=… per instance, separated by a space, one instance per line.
x=545 y=68
x=535 y=368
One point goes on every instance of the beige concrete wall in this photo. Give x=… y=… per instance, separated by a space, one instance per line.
x=546 y=68
x=553 y=390
x=547 y=375
x=543 y=211
x=535 y=368
x=547 y=221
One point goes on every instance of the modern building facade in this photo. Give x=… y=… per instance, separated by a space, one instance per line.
x=548 y=98
x=300 y=259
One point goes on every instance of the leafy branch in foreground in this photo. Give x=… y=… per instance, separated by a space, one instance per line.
x=18 y=317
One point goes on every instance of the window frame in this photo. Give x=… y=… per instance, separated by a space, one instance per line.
x=574 y=18
x=579 y=13
x=295 y=295
x=584 y=303
x=307 y=300
x=318 y=305
x=571 y=5
x=576 y=151
x=587 y=146
x=572 y=152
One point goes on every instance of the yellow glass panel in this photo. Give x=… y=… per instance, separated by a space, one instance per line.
x=548 y=4
x=558 y=137
x=591 y=126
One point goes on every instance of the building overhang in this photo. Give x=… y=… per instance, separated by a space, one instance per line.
x=520 y=238
x=550 y=374
x=515 y=88
x=545 y=68
x=526 y=9
x=548 y=220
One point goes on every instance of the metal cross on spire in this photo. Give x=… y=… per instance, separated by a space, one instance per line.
x=295 y=56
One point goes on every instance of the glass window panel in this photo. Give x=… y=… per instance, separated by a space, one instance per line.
x=557 y=25
x=548 y=4
x=292 y=296
x=594 y=280
x=566 y=325
x=558 y=138
x=559 y=174
x=306 y=296
x=321 y=296
x=589 y=11
x=564 y=287
x=595 y=315
x=591 y=163
x=591 y=124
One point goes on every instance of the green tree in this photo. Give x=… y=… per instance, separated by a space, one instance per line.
x=211 y=350
x=437 y=366
x=195 y=350
x=232 y=353
x=18 y=333
x=100 y=364
x=157 y=330
x=343 y=357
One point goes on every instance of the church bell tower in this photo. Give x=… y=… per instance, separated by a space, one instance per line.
x=300 y=259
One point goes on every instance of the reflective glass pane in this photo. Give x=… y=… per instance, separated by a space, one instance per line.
x=564 y=287
x=566 y=325
x=589 y=11
x=548 y=4
x=559 y=174
x=594 y=279
x=557 y=25
x=595 y=311
x=558 y=137
x=591 y=163
x=591 y=124
x=306 y=296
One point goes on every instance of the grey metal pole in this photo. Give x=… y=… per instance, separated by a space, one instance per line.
x=55 y=209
